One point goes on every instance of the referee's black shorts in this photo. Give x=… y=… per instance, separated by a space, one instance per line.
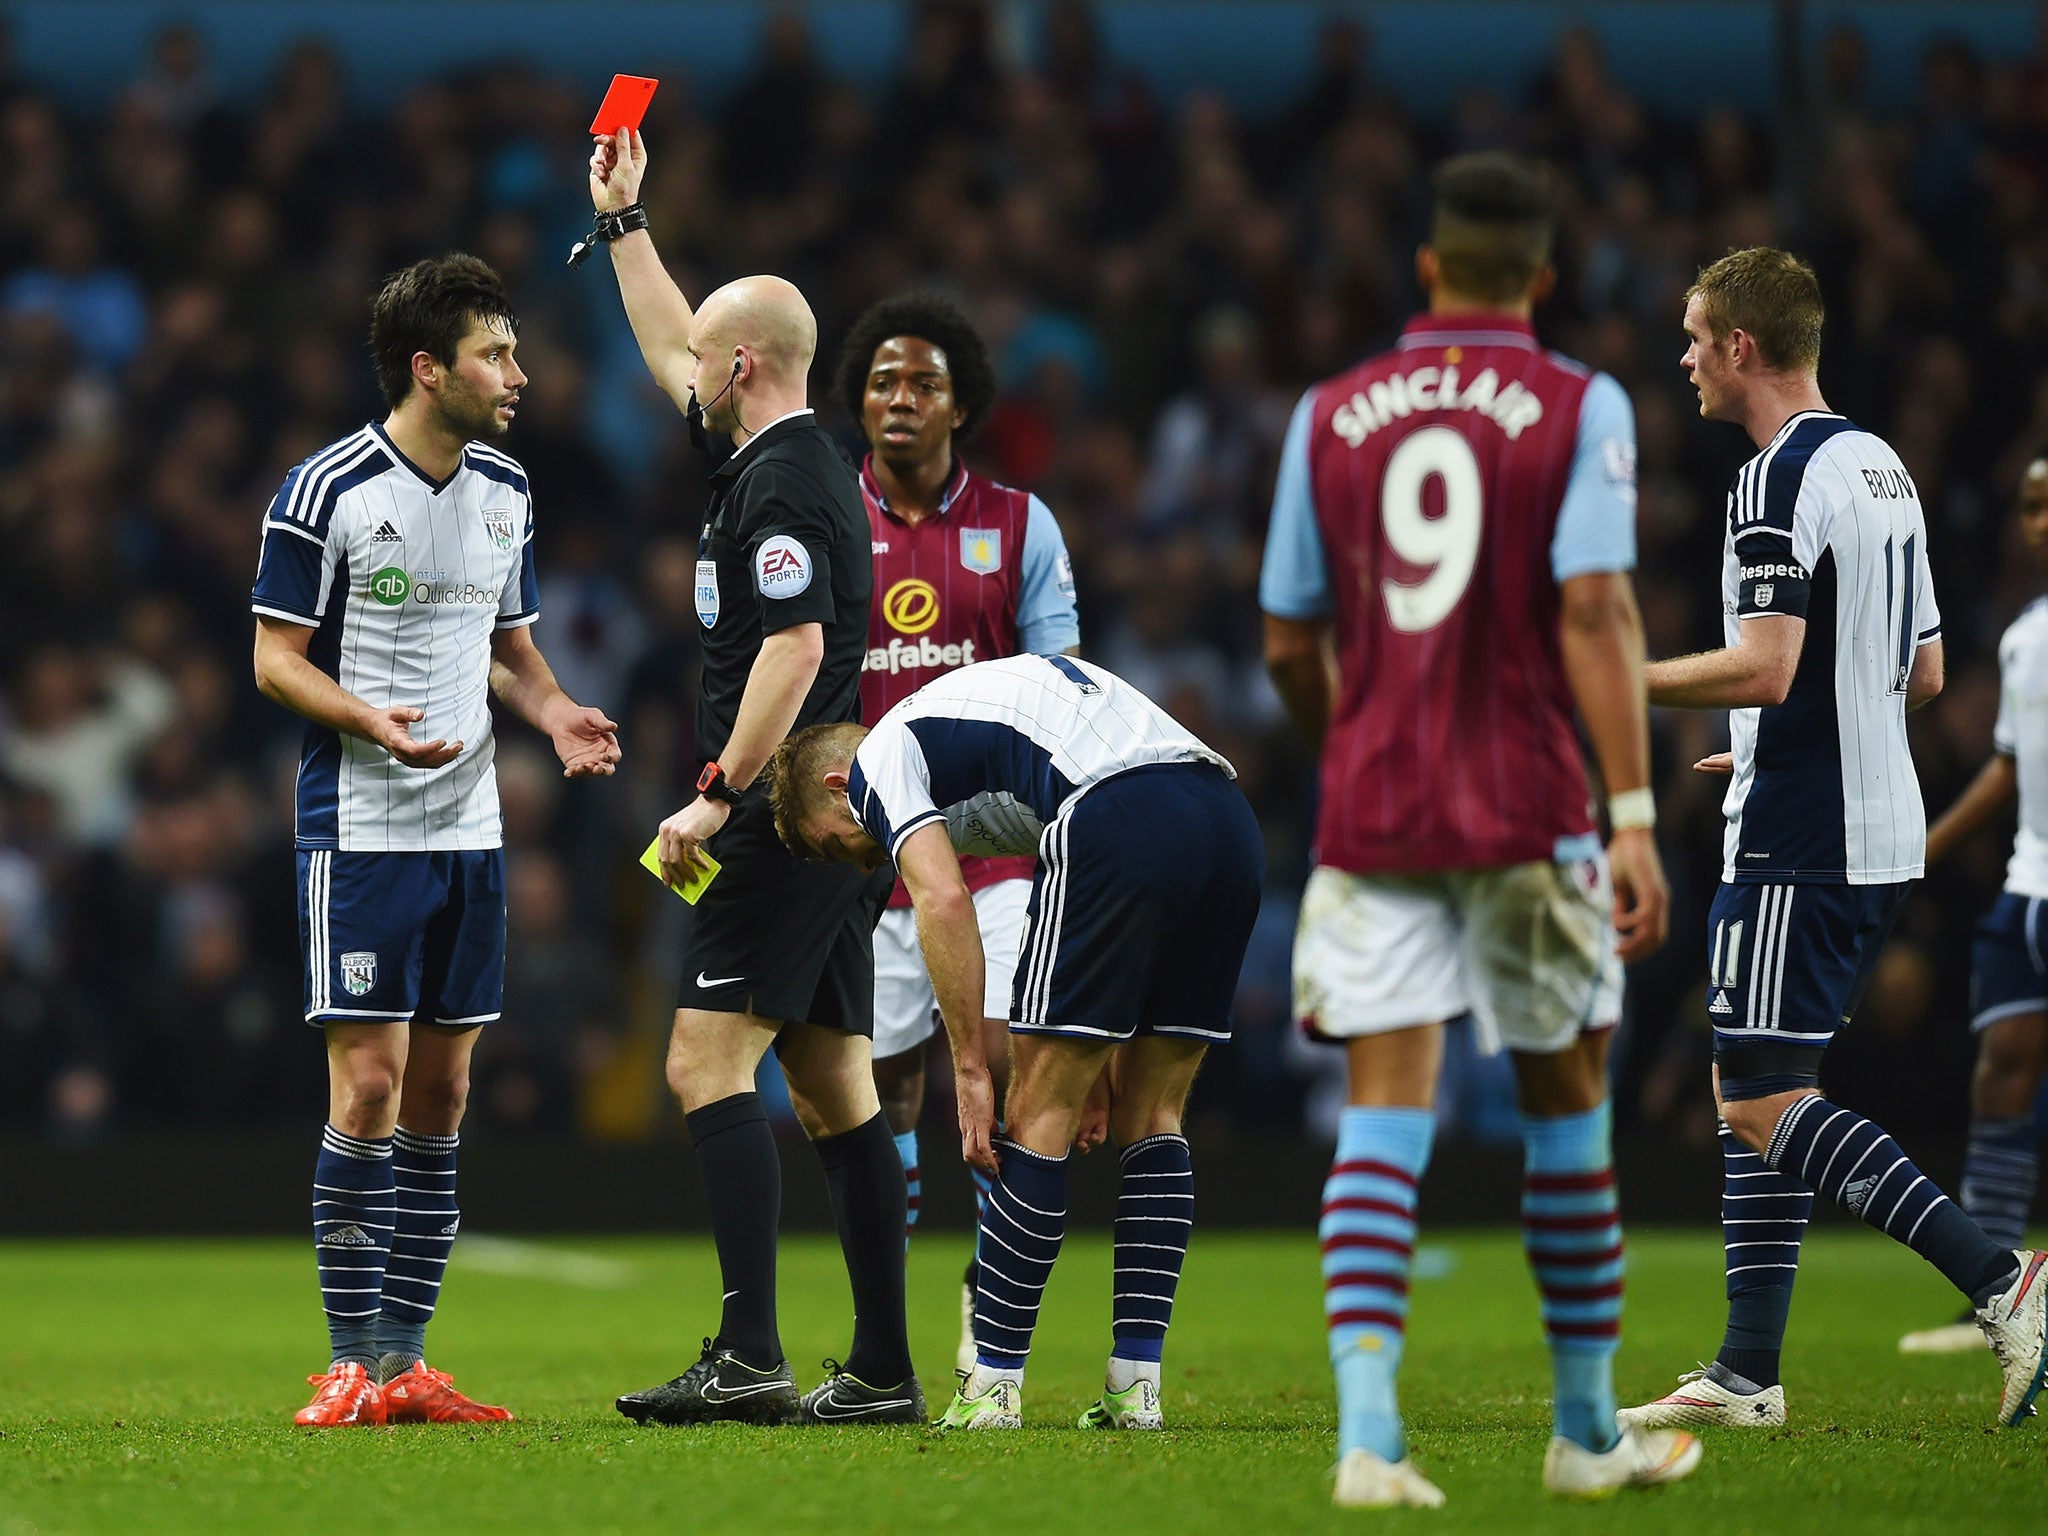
x=781 y=938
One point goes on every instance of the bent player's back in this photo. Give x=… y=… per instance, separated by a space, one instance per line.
x=1435 y=479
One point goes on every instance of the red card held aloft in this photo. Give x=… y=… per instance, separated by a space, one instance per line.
x=624 y=104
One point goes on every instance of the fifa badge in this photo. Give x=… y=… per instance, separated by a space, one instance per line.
x=707 y=592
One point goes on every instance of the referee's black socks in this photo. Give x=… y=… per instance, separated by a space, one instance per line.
x=743 y=1190
x=870 y=1202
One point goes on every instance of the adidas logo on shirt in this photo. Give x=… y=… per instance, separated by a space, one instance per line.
x=386 y=534
x=1720 y=1004
x=348 y=1237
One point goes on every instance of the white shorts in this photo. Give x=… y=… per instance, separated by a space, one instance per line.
x=906 y=1010
x=1527 y=950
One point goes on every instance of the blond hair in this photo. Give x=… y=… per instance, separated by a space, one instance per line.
x=795 y=776
x=1771 y=295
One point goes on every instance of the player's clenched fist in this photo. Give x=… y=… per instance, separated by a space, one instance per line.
x=617 y=162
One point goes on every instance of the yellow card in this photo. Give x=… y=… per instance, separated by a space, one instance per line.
x=694 y=887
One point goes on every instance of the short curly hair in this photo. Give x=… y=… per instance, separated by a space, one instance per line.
x=931 y=317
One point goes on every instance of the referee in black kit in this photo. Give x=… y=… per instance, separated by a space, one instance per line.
x=780 y=953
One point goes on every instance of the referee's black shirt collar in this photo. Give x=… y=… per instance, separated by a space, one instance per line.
x=803 y=420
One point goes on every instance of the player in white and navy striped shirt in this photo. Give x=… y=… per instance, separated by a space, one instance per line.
x=1832 y=637
x=392 y=599
x=1149 y=869
x=2009 y=959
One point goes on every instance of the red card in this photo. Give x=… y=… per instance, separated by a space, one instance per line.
x=624 y=104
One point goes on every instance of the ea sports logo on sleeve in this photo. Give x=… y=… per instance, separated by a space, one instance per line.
x=391 y=586
x=782 y=567
x=911 y=607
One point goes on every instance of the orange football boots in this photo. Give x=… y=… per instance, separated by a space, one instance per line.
x=347 y=1395
x=424 y=1395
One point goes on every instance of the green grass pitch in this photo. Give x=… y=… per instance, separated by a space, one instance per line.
x=148 y=1387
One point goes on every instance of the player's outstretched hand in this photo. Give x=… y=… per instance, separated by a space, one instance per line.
x=1716 y=762
x=975 y=1093
x=587 y=743
x=617 y=162
x=680 y=850
x=391 y=729
x=1642 y=901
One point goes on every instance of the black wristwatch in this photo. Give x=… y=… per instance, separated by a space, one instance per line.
x=712 y=782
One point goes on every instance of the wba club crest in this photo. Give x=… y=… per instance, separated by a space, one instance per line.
x=359 y=971
x=981 y=550
x=498 y=523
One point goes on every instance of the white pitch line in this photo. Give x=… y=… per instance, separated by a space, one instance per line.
x=536 y=1261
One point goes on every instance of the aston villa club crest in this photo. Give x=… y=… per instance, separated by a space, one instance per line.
x=498 y=523
x=981 y=550
x=359 y=971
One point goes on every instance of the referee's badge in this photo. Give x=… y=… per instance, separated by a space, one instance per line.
x=707 y=592
x=981 y=550
x=359 y=971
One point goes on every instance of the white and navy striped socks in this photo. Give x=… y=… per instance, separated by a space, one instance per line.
x=1023 y=1221
x=353 y=1197
x=1155 y=1214
x=1860 y=1168
x=1998 y=1177
x=423 y=1169
x=1763 y=1221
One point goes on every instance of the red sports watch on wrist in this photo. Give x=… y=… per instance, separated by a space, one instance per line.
x=712 y=782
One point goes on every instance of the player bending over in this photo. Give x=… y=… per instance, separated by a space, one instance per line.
x=966 y=570
x=2008 y=974
x=394 y=598
x=1832 y=636
x=1149 y=870
x=1457 y=518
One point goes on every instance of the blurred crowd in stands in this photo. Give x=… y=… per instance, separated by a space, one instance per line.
x=184 y=282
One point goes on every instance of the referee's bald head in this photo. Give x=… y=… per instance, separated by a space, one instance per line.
x=767 y=316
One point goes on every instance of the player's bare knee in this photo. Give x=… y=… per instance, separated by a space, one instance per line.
x=1755 y=1121
x=2012 y=1054
x=435 y=1107
x=366 y=1100
x=807 y=1114
x=899 y=1084
x=1134 y=1120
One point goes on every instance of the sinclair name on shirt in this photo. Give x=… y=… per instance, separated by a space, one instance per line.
x=901 y=655
x=1513 y=409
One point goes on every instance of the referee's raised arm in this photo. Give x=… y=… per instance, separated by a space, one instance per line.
x=659 y=313
x=776 y=951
